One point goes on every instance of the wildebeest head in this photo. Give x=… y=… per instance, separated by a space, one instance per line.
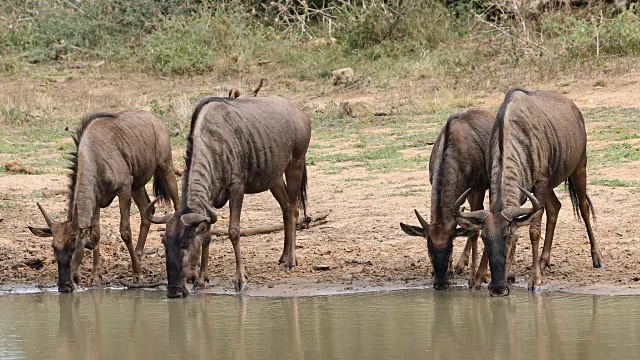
x=182 y=228
x=66 y=240
x=439 y=244
x=498 y=228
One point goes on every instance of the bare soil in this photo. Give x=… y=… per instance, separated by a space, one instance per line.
x=363 y=224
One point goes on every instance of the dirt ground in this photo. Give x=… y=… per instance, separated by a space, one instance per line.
x=363 y=224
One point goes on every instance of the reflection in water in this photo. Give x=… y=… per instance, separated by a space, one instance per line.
x=411 y=324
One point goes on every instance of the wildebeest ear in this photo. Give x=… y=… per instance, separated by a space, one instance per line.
x=528 y=219
x=42 y=232
x=464 y=232
x=202 y=228
x=192 y=219
x=413 y=230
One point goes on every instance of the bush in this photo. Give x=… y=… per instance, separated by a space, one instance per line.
x=54 y=30
x=202 y=42
x=414 y=23
x=589 y=37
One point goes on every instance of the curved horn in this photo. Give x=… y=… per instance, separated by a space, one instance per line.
x=514 y=212
x=460 y=201
x=150 y=209
x=212 y=213
x=423 y=222
x=469 y=220
x=47 y=218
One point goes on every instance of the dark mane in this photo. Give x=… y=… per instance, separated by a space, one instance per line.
x=77 y=137
x=499 y=128
x=445 y=144
x=188 y=156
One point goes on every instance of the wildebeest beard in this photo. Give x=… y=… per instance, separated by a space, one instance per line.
x=63 y=258
x=440 y=261
x=497 y=251
x=178 y=240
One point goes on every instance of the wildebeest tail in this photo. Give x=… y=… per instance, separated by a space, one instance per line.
x=575 y=202
x=160 y=189
x=303 y=191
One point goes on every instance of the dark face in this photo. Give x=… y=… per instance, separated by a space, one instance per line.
x=177 y=240
x=497 y=234
x=440 y=246
x=64 y=246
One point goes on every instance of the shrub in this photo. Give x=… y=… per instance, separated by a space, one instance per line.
x=202 y=42
x=593 y=36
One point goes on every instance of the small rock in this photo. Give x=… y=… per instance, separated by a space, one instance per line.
x=359 y=261
x=270 y=286
x=343 y=76
x=358 y=107
x=321 y=267
x=34 y=263
x=325 y=252
x=14 y=166
x=319 y=42
x=636 y=278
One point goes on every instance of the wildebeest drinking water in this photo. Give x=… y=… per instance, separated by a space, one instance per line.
x=457 y=163
x=538 y=142
x=236 y=147
x=116 y=155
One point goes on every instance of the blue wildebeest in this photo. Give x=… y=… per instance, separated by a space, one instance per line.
x=538 y=142
x=235 y=147
x=457 y=163
x=116 y=155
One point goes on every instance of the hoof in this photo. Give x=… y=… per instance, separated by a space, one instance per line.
x=511 y=278
x=138 y=278
x=599 y=265
x=191 y=279
x=242 y=287
x=77 y=279
x=534 y=288
x=200 y=284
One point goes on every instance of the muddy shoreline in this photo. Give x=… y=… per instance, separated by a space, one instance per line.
x=305 y=288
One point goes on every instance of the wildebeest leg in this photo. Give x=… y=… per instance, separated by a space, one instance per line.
x=579 y=179
x=535 y=278
x=141 y=198
x=464 y=258
x=203 y=277
x=511 y=277
x=481 y=273
x=552 y=208
x=279 y=191
x=293 y=174
x=235 y=209
x=476 y=200
x=96 y=274
x=125 y=232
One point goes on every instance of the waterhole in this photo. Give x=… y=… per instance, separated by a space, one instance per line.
x=454 y=324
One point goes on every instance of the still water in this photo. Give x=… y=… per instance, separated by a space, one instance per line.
x=455 y=324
